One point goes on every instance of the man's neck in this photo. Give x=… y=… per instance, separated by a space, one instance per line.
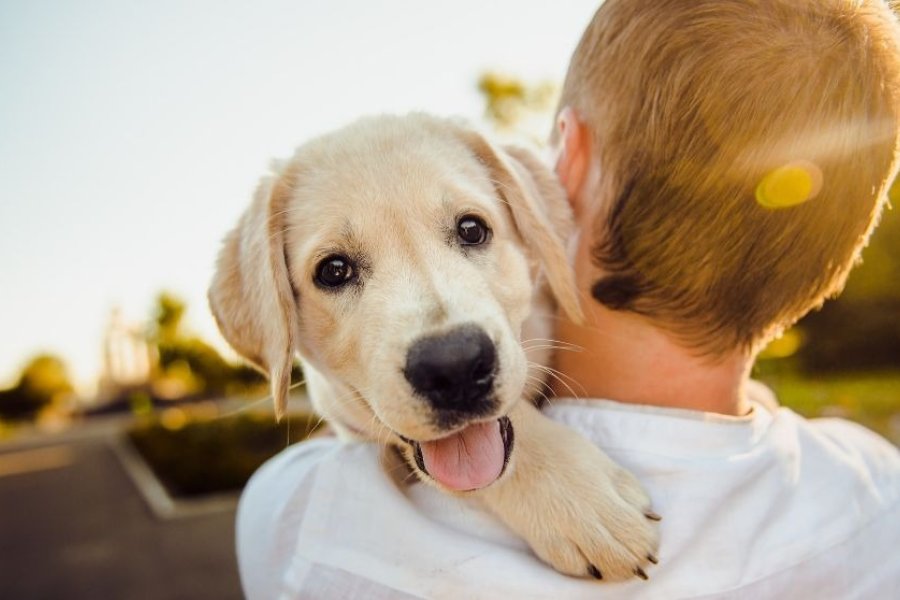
x=623 y=357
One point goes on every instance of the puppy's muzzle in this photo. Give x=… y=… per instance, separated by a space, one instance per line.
x=454 y=371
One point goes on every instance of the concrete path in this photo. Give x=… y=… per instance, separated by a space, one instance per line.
x=73 y=526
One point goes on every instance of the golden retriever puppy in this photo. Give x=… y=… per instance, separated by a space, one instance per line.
x=405 y=260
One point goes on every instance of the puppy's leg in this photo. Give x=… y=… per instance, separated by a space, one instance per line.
x=579 y=511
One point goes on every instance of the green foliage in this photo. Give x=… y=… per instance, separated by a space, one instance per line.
x=868 y=398
x=189 y=358
x=860 y=330
x=858 y=335
x=43 y=381
x=509 y=101
x=204 y=363
x=169 y=313
x=216 y=455
x=45 y=376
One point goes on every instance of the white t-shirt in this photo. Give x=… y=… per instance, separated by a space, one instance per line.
x=765 y=506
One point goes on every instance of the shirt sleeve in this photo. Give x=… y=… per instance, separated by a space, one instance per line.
x=875 y=460
x=269 y=514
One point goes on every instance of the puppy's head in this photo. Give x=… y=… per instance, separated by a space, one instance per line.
x=399 y=257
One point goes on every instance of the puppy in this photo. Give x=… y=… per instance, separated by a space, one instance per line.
x=409 y=262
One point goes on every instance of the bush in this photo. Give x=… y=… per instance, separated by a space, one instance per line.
x=870 y=399
x=43 y=382
x=861 y=335
x=860 y=330
x=215 y=455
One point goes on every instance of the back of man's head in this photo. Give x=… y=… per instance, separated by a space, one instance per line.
x=745 y=148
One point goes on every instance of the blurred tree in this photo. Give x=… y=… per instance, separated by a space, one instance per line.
x=513 y=106
x=860 y=330
x=44 y=381
x=187 y=364
x=168 y=315
x=504 y=98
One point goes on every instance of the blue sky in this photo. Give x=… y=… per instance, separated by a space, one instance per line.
x=132 y=133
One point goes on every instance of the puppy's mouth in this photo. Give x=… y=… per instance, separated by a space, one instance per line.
x=470 y=459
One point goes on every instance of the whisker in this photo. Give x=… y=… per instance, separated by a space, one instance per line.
x=550 y=347
x=241 y=409
x=559 y=376
x=552 y=341
x=256 y=403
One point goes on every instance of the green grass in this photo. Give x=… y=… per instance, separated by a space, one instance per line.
x=871 y=399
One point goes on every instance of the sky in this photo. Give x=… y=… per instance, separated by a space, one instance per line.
x=132 y=133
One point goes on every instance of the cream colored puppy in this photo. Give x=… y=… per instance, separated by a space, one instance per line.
x=406 y=259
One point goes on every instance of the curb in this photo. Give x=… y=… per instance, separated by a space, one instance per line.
x=159 y=501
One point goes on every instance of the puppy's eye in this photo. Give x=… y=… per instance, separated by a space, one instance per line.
x=472 y=231
x=335 y=271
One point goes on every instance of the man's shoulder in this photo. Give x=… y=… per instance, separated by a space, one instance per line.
x=852 y=438
x=800 y=493
x=275 y=503
x=300 y=460
x=754 y=496
x=837 y=443
x=847 y=449
x=282 y=482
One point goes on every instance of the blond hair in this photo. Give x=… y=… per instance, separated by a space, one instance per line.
x=692 y=106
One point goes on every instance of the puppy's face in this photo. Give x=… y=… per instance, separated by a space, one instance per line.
x=392 y=256
x=410 y=277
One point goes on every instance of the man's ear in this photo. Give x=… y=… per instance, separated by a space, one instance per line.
x=251 y=295
x=539 y=211
x=574 y=155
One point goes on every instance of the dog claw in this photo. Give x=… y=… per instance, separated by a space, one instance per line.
x=595 y=572
x=640 y=573
x=652 y=516
x=652 y=559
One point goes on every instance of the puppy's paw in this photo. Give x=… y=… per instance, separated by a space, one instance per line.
x=578 y=510
x=603 y=527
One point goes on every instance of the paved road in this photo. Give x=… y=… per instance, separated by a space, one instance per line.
x=73 y=526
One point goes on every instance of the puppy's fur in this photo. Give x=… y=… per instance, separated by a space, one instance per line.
x=387 y=194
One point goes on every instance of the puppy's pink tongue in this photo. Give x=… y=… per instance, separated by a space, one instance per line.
x=467 y=460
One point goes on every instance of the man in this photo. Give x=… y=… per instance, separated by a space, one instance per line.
x=726 y=161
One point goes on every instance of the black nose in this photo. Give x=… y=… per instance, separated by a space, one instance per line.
x=455 y=370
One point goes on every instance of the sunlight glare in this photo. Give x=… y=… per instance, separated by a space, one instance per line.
x=789 y=185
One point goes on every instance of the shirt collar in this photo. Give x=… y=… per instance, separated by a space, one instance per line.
x=686 y=433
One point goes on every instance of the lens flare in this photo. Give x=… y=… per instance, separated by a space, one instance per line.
x=789 y=185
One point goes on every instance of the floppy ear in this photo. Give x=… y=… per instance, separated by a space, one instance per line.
x=539 y=210
x=251 y=295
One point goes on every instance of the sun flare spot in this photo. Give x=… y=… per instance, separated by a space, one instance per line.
x=789 y=185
